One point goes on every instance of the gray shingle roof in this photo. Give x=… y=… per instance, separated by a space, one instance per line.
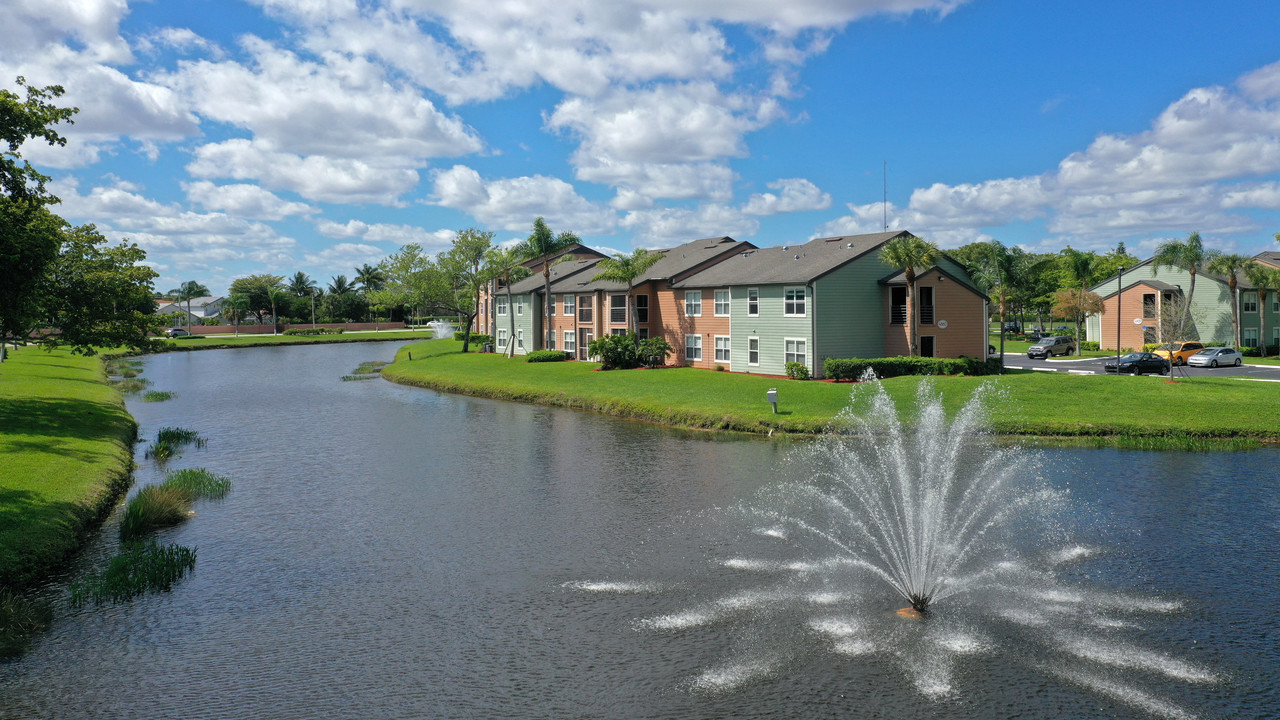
x=576 y=276
x=788 y=263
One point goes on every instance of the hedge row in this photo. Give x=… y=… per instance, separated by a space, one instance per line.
x=538 y=356
x=476 y=338
x=854 y=368
x=313 y=331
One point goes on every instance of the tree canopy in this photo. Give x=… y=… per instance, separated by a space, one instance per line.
x=257 y=289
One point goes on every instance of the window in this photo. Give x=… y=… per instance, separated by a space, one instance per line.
x=753 y=351
x=643 y=333
x=693 y=303
x=692 y=347
x=722 y=348
x=568 y=306
x=618 y=331
x=502 y=337
x=617 y=308
x=1249 y=337
x=793 y=302
x=1249 y=302
x=520 y=338
x=898 y=306
x=642 y=309
x=501 y=304
x=1148 y=305
x=926 y=306
x=584 y=309
x=721 y=307
x=795 y=351
x=569 y=344
x=519 y=305
x=552 y=308
x=927 y=346
x=753 y=302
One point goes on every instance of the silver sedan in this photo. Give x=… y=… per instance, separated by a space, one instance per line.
x=1215 y=356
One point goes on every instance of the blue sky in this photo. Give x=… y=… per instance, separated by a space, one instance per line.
x=230 y=138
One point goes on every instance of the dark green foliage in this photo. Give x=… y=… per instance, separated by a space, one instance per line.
x=180 y=436
x=797 y=371
x=199 y=483
x=155 y=506
x=21 y=619
x=157 y=396
x=1249 y=351
x=623 y=352
x=654 y=351
x=540 y=356
x=854 y=368
x=476 y=338
x=161 y=451
x=1090 y=345
x=138 y=569
x=313 y=331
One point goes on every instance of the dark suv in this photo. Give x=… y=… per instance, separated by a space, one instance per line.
x=1050 y=346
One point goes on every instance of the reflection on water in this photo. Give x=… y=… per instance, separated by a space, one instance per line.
x=389 y=552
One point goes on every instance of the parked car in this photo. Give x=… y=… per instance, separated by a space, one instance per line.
x=176 y=332
x=1037 y=336
x=1050 y=346
x=1178 y=352
x=1215 y=356
x=1012 y=327
x=1138 y=363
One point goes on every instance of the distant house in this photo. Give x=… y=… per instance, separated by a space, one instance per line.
x=1151 y=292
x=201 y=308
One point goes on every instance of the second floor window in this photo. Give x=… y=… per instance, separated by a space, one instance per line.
x=568 y=306
x=926 y=305
x=642 y=309
x=793 y=302
x=693 y=303
x=898 y=305
x=584 y=309
x=500 y=305
x=753 y=302
x=617 y=308
x=721 y=308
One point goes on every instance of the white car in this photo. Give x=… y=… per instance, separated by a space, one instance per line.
x=1215 y=356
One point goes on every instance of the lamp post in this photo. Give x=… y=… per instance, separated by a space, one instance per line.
x=1119 y=317
x=312 y=293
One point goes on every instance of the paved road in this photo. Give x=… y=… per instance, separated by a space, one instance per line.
x=1093 y=366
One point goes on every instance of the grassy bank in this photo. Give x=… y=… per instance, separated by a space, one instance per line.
x=219 y=342
x=66 y=449
x=1027 y=403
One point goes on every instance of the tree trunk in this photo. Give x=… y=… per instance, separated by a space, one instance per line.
x=912 y=343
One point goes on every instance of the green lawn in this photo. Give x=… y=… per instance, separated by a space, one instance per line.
x=1029 y=403
x=66 y=452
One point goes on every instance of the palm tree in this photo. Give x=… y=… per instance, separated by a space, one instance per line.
x=275 y=295
x=1001 y=270
x=301 y=284
x=541 y=246
x=909 y=252
x=188 y=291
x=340 y=286
x=1189 y=255
x=504 y=264
x=626 y=268
x=238 y=304
x=1231 y=265
x=1077 y=267
x=370 y=277
x=1265 y=279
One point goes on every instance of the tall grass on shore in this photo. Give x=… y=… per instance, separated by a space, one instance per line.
x=21 y=619
x=138 y=569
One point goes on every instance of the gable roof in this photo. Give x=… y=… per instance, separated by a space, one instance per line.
x=575 y=276
x=789 y=263
x=900 y=278
x=1270 y=257
x=1153 y=284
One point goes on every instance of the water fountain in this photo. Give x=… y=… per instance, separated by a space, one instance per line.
x=441 y=329
x=932 y=512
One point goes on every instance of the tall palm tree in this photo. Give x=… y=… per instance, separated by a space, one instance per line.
x=301 y=284
x=542 y=245
x=1231 y=265
x=340 y=286
x=504 y=264
x=909 y=252
x=370 y=277
x=1264 y=279
x=275 y=295
x=238 y=304
x=187 y=292
x=1189 y=255
x=1000 y=271
x=626 y=268
x=1077 y=268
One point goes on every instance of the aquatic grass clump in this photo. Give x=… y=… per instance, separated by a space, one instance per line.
x=170 y=441
x=21 y=619
x=130 y=385
x=157 y=396
x=199 y=483
x=155 y=506
x=347 y=378
x=366 y=368
x=120 y=366
x=138 y=569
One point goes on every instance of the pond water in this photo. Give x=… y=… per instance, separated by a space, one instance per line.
x=390 y=552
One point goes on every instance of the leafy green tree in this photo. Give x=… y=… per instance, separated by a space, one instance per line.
x=505 y=265
x=1075 y=304
x=257 y=288
x=98 y=295
x=625 y=269
x=909 y=253
x=1264 y=279
x=1077 y=269
x=187 y=292
x=1111 y=263
x=997 y=272
x=1231 y=265
x=410 y=274
x=543 y=246
x=347 y=306
x=29 y=119
x=464 y=266
x=235 y=306
x=1189 y=255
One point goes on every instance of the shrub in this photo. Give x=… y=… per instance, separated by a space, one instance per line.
x=539 y=356
x=854 y=368
x=797 y=371
x=623 y=352
x=1089 y=345
x=155 y=506
x=313 y=331
x=476 y=338
x=654 y=352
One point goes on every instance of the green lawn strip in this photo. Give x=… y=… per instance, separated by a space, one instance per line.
x=66 y=452
x=218 y=342
x=1027 y=403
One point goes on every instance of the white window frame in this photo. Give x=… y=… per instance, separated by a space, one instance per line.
x=693 y=303
x=519 y=305
x=753 y=302
x=520 y=338
x=552 y=308
x=612 y=308
x=570 y=305
x=1247 y=299
x=800 y=354
x=502 y=338
x=720 y=307
x=500 y=305
x=693 y=348
x=570 y=341
x=790 y=302
x=1249 y=337
x=753 y=351
x=723 y=348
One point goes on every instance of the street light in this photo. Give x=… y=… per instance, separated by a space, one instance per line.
x=1119 y=296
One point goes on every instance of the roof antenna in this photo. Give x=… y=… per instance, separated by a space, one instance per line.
x=884 y=204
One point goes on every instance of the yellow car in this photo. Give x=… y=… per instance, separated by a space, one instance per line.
x=1178 y=352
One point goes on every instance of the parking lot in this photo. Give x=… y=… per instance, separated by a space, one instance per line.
x=1093 y=366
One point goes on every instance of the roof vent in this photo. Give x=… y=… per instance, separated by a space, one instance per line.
x=797 y=257
x=850 y=246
